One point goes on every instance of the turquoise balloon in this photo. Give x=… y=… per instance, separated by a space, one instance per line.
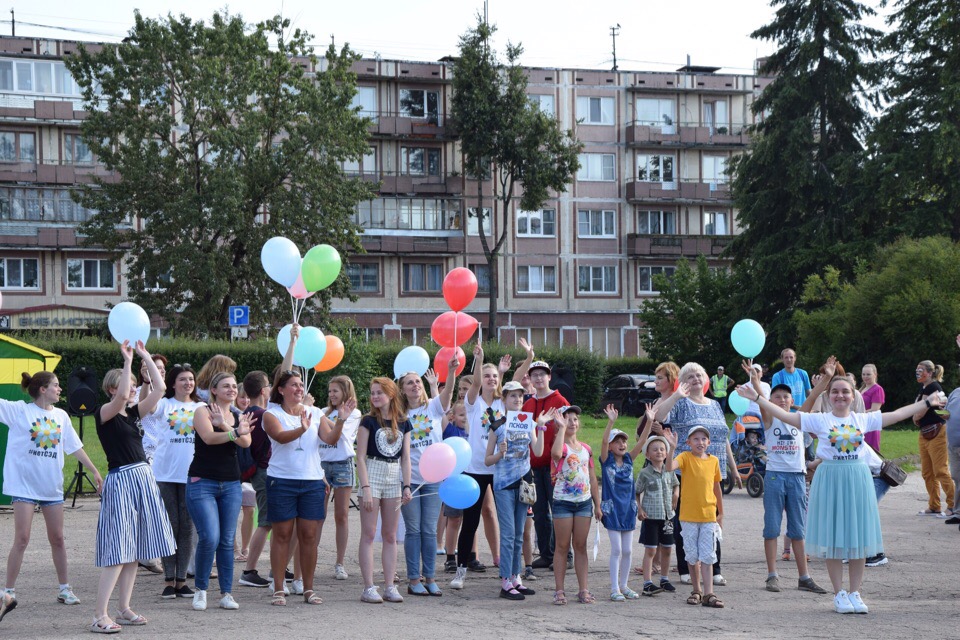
x=414 y=359
x=460 y=491
x=462 y=448
x=748 y=338
x=320 y=268
x=310 y=349
x=737 y=403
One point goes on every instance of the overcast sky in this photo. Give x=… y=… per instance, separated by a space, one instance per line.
x=555 y=33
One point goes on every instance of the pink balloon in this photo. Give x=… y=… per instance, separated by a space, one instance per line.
x=298 y=290
x=437 y=462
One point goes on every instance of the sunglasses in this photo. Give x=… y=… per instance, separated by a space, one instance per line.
x=185 y=366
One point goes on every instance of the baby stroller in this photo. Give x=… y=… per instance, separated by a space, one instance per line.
x=746 y=441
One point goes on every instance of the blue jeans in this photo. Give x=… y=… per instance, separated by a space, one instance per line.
x=420 y=539
x=214 y=507
x=542 y=518
x=512 y=516
x=784 y=491
x=880 y=487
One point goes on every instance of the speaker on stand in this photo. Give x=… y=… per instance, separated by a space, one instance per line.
x=81 y=402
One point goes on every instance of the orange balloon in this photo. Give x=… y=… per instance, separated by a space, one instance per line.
x=333 y=356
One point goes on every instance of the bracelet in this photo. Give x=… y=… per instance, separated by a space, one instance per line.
x=406 y=486
x=927 y=403
x=543 y=428
x=364 y=486
x=231 y=435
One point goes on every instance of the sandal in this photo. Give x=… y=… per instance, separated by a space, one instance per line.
x=99 y=626
x=785 y=555
x=241 y=557
x=124 y=618
x=695 y=597
x=712 y=601
x=559 y=597
x=311 y=598
x=585 y=597
x=279 y=599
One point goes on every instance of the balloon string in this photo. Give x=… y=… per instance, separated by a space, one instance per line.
x=456 y=321
x=423 y=495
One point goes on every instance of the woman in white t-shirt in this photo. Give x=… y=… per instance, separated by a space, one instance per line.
x=843 y=521
x=39 y=437
x=337 y=462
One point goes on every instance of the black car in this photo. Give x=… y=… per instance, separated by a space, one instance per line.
x=629 y=393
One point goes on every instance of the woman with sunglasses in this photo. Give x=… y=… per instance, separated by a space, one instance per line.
x=133 y=524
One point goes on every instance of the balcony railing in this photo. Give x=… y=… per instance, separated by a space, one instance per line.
x=403 y=124
x=687 y=134
x=692 y=190
x=406 y=183
x=640 y=245
x=53 y=172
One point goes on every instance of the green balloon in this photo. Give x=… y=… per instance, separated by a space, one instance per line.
x=320 y=268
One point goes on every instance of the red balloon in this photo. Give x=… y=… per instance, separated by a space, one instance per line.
x=442 y=329
x=459 y=288
x=441 y=362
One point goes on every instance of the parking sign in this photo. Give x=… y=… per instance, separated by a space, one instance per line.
x=239 y=316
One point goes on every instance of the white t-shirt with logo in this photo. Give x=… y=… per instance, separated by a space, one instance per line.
x=36 y=444
x=479 y=434
x=784 y=446
x=300 y=458
x=841 y=438
x=174 y=438
x=343 y=450
x=427 y=423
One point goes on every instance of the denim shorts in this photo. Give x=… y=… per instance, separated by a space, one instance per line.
x=289 y=499
x=567 y=509
x=784 y=491
x=339 y=474
x=42 y=503
x=450 y=512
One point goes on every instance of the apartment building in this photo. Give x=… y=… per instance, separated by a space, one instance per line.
x=651 y=191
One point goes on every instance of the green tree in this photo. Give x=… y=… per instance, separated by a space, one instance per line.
x=902 y=308
x=916 y=143
x=505 y=140
x=221 y=140
x=690 y=320
x=800 y=190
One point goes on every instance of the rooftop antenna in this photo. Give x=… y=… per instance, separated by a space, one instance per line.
x=13 y=24
x=614 y=32
x=486 y=12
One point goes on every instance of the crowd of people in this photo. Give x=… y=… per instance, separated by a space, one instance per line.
x=182 y=446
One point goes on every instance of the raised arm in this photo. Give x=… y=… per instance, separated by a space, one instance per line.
x=524 y=366
x=474 y=389
x=663 y=409
x=433 y=382
x=754 y=376
x=560 y=424
x=287 y=364
x=671 y=462
x=446 y=396
x=157 y=384
x=120 y=396
x=786 y=417
x=612 y=415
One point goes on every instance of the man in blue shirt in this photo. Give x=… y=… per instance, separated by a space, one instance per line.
x=796 y=379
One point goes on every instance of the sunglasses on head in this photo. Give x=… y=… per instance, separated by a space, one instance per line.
x=185 y=366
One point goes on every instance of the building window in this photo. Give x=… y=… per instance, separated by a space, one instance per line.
x=425 y=214
x=41 y=205
x=482 y=271
x=598 y=167
x=473 y=226
x=365 y=99
x=416 y=103
x=366 y=165
x=655 y=168
x=536 y=279
x=19 y=273
x=657 y=222
x=542 y=223
x=37 y=76
x=597 y=224
x=645 y=277
x=715 y=170
x=419 y=161
x=716 y=116
x=657 y=112
x=595 y=110
x=75 y=150
x=715 y=223
x=90 y=274
x=16 y=146
x=544 y=103
x=422 y=278
x=364 y=277
x=597 y=279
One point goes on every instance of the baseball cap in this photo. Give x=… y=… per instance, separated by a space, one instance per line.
x=539 y=364
x=512 y=386
x=570 y=407
x=719 y=368
x=757 y=367
x=616 y=433
x=696 y=428
x=653 y=439
x=782 y=387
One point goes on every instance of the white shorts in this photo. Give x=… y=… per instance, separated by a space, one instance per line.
x=700 y=541
x=384 y=478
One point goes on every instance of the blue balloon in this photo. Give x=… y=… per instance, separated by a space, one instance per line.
x=460 y=491
x=414 y=359
x=128 y=321
x=462 y=448
x=310 y=349
x=748 y=338
x=281 y=260
x=737 y=403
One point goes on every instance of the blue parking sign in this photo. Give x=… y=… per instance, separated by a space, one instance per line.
x=239 y=316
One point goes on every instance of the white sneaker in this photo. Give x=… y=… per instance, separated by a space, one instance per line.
x=339 y=572
x=296 y=587
x=392 y=595
x=859 y=606
x=199 y=600
x=66 y=596
x=286 y=591
x=719 y=580
x=841 y=602
x=227 y=602
x=371 y=595
x=686 y=579
x=457 y=582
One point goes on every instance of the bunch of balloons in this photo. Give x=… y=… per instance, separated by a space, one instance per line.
x=748 y=339
x=302 y=277
x=445 y=462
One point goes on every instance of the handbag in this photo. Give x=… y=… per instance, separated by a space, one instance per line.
x=931 y=431
x=891 y=472
x=528 y=492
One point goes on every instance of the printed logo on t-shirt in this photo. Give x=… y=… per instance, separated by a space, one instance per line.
x=845 y=438
x=786 y=440
x=181 y=421
x=388 y=448
x=45 y=433
x=422 y=428
x=485 y=419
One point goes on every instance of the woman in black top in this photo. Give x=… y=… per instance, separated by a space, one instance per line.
x=213 y=487
x=133 y=523
x=933 y=442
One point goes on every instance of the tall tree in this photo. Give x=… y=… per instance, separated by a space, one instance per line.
x=505 y=140
x=799 y=191
x=916 y=143
x=221 y=140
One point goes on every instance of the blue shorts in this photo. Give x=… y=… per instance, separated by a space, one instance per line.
x=289 y=499
x=42 y=503
x=567 y=509
x=339 y=474
x=784 y=491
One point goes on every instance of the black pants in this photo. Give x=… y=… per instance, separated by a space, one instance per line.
x=682 y=567
x=471 y=521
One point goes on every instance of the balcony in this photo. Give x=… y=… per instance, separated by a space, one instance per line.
x=444 y=184
x=54 y=172
x=685 y=191
x=409 y=244
x=686 y=135
x=33 y=205
x=679 y=246
x=431 y=126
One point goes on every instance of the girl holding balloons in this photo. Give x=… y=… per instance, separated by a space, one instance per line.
x=421 y=513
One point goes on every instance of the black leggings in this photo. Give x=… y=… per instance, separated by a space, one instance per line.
x=682 y=567
x=471 y=520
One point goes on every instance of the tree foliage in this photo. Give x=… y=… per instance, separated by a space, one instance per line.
x=690 y=320
x=505 y=139
x=221 y=141
x=800 y=190
x=901 y=309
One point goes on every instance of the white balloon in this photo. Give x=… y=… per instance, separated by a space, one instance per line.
x=128 y=321
x=281 y=260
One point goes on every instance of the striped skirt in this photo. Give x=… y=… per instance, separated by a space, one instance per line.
x=133 y=522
